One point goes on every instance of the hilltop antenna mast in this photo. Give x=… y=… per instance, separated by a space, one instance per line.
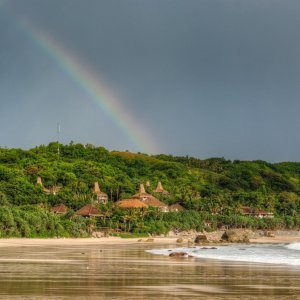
x=58 y=136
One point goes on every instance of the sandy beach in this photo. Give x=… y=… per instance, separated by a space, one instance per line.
x=17 y=242
x=276 y=239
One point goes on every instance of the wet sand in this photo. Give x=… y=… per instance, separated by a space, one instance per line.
x=121 y=269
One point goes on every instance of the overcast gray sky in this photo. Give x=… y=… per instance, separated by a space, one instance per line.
x=200 y=77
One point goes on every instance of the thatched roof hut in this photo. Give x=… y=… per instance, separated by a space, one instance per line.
x=246 y=211
x=160 y=189
x=60 y=209
x=52 y=190
x=101 y=196
x=149 y=199
x=258 y=213
x=175 y=207
x=39 y=181
x=88 y=211
x=131 y=203
x=141 y=193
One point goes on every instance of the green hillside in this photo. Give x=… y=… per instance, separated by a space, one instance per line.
x=212 y=189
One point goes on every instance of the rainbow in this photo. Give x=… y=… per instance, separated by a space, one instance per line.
x=90 y=84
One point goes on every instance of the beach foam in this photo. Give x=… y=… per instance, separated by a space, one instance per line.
x=295 y=246
x=266 y=254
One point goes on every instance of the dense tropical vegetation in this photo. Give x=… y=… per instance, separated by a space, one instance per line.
x=211 y=189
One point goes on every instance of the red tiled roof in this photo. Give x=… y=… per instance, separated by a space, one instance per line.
x=246 y=210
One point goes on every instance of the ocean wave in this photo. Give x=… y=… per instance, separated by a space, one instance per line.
x=267 y=254
x=294 y=246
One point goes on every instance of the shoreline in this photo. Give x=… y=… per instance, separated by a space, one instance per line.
x=27 y=242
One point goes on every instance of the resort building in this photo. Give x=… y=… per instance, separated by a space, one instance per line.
x=160 y=189
x=52 y=190
x=88 y=211
x=207 y=224
x=246 y=211
x=60 y=209
x=263 y=214
x=150 y=200
x=253 y=212
x=175 y=207
x=101 y=197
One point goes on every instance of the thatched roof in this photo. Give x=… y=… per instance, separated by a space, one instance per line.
x=148 y=199
x=160 y=189
x=60 y=209
x=39 y=181
x=88 y=211
x=142 y=193
x=97 y=190
x=47 y=191
x=152 y=201
x=101 y=197
x=131 y=203
x=52 y=190
x=176 y=207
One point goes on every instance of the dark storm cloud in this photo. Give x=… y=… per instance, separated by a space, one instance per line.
x=209 y=78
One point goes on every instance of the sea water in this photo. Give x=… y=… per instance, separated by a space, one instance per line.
x=287 y=254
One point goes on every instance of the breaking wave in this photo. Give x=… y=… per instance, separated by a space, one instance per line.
x=295 y=246
x=266 y=254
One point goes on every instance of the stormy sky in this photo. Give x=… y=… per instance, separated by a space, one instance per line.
x=208 y=78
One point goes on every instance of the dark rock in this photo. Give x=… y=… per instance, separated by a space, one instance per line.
x=237 y=235
x=201 y=238
x=269 y=234
x=178 y=254
x=150 y=240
